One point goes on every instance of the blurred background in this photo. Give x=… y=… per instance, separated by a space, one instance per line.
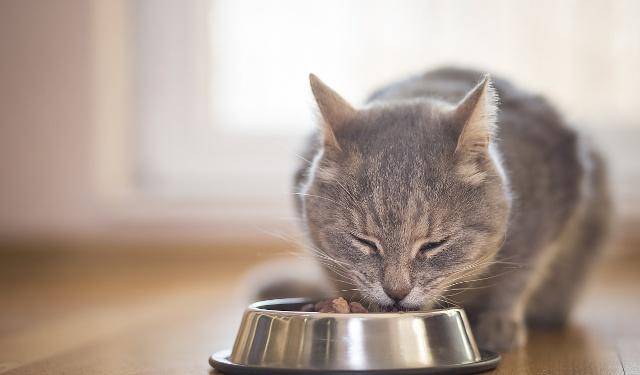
x=161 y=120
x=147 y=146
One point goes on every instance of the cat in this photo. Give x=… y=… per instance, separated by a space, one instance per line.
x=454 y=188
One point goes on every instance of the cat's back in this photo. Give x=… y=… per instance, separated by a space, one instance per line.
x=521 y=113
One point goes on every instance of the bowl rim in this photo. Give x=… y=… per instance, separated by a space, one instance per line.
x=489 y=360
x=258 y=307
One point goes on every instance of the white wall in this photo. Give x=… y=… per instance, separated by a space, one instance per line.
x=66 y=136
x=45 y=116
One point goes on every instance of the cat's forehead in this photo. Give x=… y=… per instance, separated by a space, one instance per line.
x=399 y=142
x=408 y=125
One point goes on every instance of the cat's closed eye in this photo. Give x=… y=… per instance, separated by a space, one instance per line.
x=428 y=247
x=371 y=246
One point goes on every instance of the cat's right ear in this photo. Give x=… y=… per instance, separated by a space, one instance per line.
x=336 y=112
x=477 y=115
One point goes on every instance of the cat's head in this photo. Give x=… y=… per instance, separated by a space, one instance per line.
x=406 y=198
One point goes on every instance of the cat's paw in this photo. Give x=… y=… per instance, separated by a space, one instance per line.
x=499 y=332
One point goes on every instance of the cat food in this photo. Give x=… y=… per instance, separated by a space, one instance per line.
x=335 y=305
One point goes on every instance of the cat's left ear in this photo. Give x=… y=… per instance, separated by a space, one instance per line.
x=336 y=112
x=477 y=112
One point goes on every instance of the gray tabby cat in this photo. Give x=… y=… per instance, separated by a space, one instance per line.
x=429 y=194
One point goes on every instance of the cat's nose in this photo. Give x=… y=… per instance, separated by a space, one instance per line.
x=397 y=293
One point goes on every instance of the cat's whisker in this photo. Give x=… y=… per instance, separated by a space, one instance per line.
x=331 y=264
x=342 y=278
x=339 y=281
x=327 y=256
x=470 y=288
x=471 y=269
x=338 y=268
x=462 y=290
x=339 y=273
x=477 y=267
x=324 y=257
x=343 y=272
x=319 y=253
x=282 y=236
x=478 y=279
x=472 y=266
x=353 y=199
x=434 y=298
x=446 y=300
x=302 y=158
x=362 y=298
x=287 y=219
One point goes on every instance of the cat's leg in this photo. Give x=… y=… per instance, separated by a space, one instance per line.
x=497 y=302
x=541 y=290
x=551 y=303
x=496 y=307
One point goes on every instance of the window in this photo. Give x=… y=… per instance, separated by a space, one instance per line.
x=222 y=92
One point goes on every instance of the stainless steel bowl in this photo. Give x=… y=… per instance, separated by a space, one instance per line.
x=276 y=338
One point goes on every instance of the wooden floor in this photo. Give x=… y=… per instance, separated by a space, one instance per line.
x=103 y=314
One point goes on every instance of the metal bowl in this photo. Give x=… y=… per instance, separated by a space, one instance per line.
x=275 y=338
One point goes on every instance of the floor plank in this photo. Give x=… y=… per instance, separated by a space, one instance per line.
x=168 y=317
x=629 y=352
x=572 y=351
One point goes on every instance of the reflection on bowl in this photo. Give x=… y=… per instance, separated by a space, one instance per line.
x=274 y=335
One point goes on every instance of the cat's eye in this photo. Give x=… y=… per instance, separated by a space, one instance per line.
x=372 y=246
x=430 y=246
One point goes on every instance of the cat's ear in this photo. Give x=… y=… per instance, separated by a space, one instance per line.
x=336 y=112
x=478 y=109
x=477 y=112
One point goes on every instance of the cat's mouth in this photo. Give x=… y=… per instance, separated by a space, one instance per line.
x=398 y=308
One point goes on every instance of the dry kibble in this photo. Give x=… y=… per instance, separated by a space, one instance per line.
x=357 y=308
x=322 y=304
x=327 y=309
x=335 y=305
x=340 y=305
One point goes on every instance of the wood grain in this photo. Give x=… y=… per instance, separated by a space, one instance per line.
x=629 y=352
x=110 y=316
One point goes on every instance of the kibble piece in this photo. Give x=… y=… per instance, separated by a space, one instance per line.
x=340 y=305
x=322 y=304
x=357 y=308
x=335 y=305
x=327 y=309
